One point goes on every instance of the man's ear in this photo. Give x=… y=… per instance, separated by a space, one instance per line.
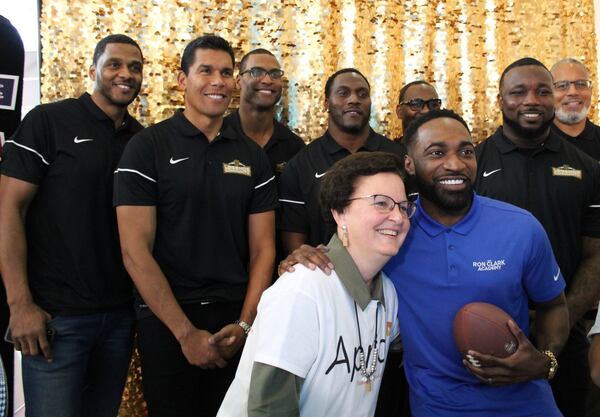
x=92 y=72
x=409 y=165
x=181 y=80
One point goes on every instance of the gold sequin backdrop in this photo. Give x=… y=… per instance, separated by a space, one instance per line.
x=461 y=46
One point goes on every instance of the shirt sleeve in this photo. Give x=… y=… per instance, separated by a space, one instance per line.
x=288 y=334
x=264 y=197
x=30 y=151
x=273 y=392
x=591 y=217
x=294 y=215
x=135 y=179
x=543 y=280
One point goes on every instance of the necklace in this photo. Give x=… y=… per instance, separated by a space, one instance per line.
x=367 y=375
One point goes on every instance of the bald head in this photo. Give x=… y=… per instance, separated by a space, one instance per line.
x=572 y=92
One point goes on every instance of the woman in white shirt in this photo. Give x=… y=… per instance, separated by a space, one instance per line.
x=319 y=343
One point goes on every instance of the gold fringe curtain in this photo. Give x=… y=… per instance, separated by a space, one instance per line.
x=461 y=46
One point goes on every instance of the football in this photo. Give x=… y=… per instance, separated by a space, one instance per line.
x=484 y=328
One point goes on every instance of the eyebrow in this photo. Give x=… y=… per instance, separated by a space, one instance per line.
x=444 y=144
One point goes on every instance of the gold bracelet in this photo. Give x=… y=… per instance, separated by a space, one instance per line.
x=553 y=364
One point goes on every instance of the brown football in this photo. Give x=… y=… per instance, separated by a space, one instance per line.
x=484 y=328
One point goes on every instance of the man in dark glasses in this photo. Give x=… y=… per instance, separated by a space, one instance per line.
x=416 y=98
x=572 y=101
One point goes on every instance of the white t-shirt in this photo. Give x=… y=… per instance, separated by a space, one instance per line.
x=306 y=325
x=596 y=327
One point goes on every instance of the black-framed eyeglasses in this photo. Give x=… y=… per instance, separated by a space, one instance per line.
x=564 y=85
x=385 y=204
x=417 y=104
x=258 y=72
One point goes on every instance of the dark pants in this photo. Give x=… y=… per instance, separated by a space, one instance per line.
x=393 y=394
x=572 y=381
x=173 y=387
x=91 y=359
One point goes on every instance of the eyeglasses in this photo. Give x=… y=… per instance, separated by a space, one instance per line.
x=564 y=85
x=385 y=204
x=417 y=104
x=258 y=73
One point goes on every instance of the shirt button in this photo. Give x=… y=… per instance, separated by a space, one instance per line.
x=451 y=247
x=452 y=267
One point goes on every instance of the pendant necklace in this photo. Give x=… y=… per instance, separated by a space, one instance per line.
x=367 y=376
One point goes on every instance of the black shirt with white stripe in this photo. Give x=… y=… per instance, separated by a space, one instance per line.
x=301 y=179
x=70 y=149
x=204 y=193
x=558 y=183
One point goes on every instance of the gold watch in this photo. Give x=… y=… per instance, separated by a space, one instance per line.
x=553 y=364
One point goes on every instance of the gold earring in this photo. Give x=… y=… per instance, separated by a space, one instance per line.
x=344 y=237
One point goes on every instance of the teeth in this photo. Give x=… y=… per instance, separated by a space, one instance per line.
x=531 y=115
x=265 y=91
x=124 y=87
x=452 y=182
x=388 y=232
x=215 y=96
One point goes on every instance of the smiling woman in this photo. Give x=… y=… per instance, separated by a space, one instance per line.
x=312 y=330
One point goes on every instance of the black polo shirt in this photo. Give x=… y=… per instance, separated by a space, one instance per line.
x=70 y=149
x=280 y=148
x=588 y=140
x=301 y=178
x=203 y=193
x=557 y=183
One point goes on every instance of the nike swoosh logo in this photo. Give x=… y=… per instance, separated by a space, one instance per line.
x=176 y=161
x=487 y=174
x=76 y=140
x=317 y=175
x=557 y=275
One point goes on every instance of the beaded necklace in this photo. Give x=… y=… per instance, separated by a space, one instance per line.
x=367 y=376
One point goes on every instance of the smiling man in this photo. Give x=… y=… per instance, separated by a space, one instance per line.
x=195 y=205
x=572 y=101
x=348 y=99
x=527 y=164
x=67 y=288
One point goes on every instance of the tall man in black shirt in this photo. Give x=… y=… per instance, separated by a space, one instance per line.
x=572 y=101
x=68 y=292
x=348 y=96
x=416 y=99
x=195 y=205
x=527 y=164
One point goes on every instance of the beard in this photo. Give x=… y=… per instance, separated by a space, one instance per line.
x=571 y=118
x=353 y=128
x=527 y=132
x=450 y=201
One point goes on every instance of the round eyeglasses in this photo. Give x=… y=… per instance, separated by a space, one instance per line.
x=385 y=204
x=258 y=72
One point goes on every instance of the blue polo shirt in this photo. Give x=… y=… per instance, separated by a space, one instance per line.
x=497 y=253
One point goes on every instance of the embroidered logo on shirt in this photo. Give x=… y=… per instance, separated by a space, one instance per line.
x=557 y=275
x=279 y=167
x=487 y=174
x=236 y=167
x=77 y=140
x=566 y=171
x=176 y=161
x=489 y=265
x=317 y=175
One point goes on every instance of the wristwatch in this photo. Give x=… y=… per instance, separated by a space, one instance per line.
x=244 y=326
x=553 y=364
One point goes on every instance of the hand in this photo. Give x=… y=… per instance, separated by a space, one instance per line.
x=228 y=340
x=199 y=352
x=309 y=257
x=28 y=329
x=525 y=364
